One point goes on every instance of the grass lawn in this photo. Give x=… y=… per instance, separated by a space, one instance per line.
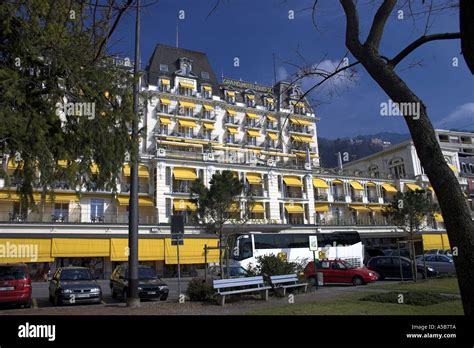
x=444 y=285
x=352 y=305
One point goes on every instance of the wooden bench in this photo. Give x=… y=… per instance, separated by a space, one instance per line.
x=287 y=281
x=233 y=286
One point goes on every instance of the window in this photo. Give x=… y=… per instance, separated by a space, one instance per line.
x=168 y=206
x=61 y=211
x=168 y=176
x=250 y=100
x=207 y=134
x=374 y=171
x=186 y=131
x=185 y=91
x=397 y=168
x=164 y=85
x=97 y=209
x=230 y=138
x=252 y=140
x=164 y=108
x=206 y=92
x=163 y=67
x=265 y=241
x=230 y=97
x=205 y=75
x=163 y=129
x=185 y=111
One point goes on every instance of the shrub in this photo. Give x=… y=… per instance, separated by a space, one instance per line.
x=271 y=265
x=200 y=290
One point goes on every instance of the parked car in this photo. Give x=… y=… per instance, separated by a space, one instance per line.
x=442 y=263
x=15 y=284
x=234 y=272
x=405 y=252
x=389 y=267
x=440 y=252
x=150 y=286
x=72 y=285
x=339 y=271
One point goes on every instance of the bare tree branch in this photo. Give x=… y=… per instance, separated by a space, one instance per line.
x=352 y=28
x=420 y=41
x=378 y=25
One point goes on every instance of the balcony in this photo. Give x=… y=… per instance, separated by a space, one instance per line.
x=147 y=216
x=206 y=117
x=142 y=188
x=180 y=186
x=372 y=199
x=301 y=130
x=321 y=197
x=289 y=193
x=231 y=121
x=356 y=198
x=339 y=198
x=352 y=222
x=254 y=144
x=252 y=123
x=273 y=126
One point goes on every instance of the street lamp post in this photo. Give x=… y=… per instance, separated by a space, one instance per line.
x=133 y=299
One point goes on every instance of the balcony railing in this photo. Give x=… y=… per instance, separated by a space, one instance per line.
x=321 y=197
x=372 y=199
x=304 y=130
x=356 y=198
x=339 y=198
x=231 y=121
x=142 y=188
x=75 y=217
x=293 y=194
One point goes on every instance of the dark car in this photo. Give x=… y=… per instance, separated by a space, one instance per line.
x=389 y=267
x=71 y=285
x=339 y=271
x=395 y=252
x=15 y=285
x=234 y=272
x=440 y=252
x=150 y=286
x=442 y=263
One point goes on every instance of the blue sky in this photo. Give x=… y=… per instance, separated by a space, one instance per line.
x=253 y=30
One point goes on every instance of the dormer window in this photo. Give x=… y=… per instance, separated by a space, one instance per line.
x=164 y=67
x=298 y=108
x=230 y=97
x=185 y=66
x=186 y=89
x=205 y=75
x=164 y=85
x=250 y=100
x=269 y=103
x=207 y=92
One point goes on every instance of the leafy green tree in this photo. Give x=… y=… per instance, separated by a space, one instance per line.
x=52 y=54
x=216 y=203
x=411 y=211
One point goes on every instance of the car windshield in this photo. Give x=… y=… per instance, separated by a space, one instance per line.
x=144 y=273
x=75 y=274
x=348 y=264
x=12 y=273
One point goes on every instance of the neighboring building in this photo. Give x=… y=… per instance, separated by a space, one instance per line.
x=197 y=126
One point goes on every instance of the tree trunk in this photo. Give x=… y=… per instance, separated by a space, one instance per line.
x=457 y=217
x=221 y=266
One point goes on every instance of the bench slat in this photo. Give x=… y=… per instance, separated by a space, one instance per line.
x=244 y=290
x=284 y=280
x=233 y=285
x=283 y=276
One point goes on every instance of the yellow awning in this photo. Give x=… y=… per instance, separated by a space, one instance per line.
x=62 y=163
x=356 y=185
x=321 y=207
x=165 y=120
x=208 y=107
x=251 y=115
x=207 y=88
x=80 y=247
x=269 y=100
x=257 y=207
x=271 y=118
x=59 y=197
x=232 y=112
x=142 y=171
x=359 y=208
x=320 y=183
x=232 y=130
x=413 y=187
x=165 y=82
x=435 y=241
x=298 y=104
x=187 y=104
x=431 y=188
x=148 y=249
x=7 y=196
x=294 y=208
x=272 y=136
x=208 y=125
x=184 y=173
x=12 y=164
x=300 y=121
x=293 y=181
x=337 y=182
x=302 y=138
x=389 y=188
x=234 y=208
x=186 y=123
x=231 y=93
x=191 y=252
x=254 y=178
x=438 y=217
x=376 y=208
x=184 y=205
x=370 y=184
x=453 y=167
x=165 y=101
x=186 y=85
x=253 y=133
x=250 y=96
x=33 y=250
x=142 y=201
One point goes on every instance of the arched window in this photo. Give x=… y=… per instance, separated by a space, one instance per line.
x=397 y=167
x=374 y=171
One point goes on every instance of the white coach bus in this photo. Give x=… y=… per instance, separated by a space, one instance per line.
x=295 y=247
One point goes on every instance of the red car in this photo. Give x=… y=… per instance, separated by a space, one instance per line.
x=339 y=271
x=15 y=284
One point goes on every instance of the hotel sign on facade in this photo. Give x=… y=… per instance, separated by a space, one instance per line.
x=247 y=85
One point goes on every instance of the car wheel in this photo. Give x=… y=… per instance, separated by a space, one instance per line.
x=164 y=298
x=420 y=275
x=356 y=281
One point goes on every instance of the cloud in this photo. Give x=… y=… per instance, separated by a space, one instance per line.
x=282 y=74
x=462 y=114
x=341 y=80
